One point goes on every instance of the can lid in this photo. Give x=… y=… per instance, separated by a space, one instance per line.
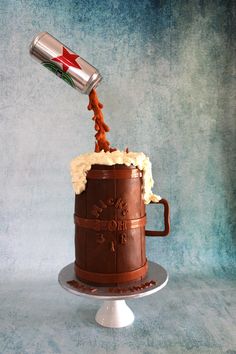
x=35 y=40
x=93 y=82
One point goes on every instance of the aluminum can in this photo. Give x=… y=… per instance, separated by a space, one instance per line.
x=66 y=64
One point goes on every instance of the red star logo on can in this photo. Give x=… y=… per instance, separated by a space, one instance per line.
x=67 y=59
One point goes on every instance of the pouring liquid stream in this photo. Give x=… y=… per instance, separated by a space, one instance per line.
x=100 y=126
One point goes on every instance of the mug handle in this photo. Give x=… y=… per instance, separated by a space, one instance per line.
x=166 y=231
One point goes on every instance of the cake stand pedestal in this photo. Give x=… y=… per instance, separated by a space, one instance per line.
x=114 y=312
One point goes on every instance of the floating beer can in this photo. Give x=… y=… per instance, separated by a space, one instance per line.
x=66 y=64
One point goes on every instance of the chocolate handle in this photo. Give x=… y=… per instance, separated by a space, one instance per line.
x=166 y=231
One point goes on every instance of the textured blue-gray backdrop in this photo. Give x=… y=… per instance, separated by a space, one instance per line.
x=168 y=90
x=168 y=87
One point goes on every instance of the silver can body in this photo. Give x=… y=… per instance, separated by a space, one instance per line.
x=66 y=64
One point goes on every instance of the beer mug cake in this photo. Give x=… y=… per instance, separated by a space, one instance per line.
x=112 y=187
x=112 y=190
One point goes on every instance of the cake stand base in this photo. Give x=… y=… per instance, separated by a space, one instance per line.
x=114 y=312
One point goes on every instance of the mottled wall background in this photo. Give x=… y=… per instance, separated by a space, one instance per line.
x=168 y=90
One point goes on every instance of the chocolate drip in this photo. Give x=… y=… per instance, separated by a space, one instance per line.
x=100 y=126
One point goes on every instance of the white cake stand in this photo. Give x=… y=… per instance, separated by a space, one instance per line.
x=114 y=312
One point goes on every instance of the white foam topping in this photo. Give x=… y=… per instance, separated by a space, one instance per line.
x=82 y=164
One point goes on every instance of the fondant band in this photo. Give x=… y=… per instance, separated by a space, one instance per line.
x=108 y=278
x=109 y=225
x=114 y=174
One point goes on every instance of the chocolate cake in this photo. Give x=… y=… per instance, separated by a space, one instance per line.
x=110 y=221
x=111 y=189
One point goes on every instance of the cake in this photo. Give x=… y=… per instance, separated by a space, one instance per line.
x=112 y=190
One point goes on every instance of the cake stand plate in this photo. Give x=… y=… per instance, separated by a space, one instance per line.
x=114 y=312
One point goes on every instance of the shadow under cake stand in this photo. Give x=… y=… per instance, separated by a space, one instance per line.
x=114 y=312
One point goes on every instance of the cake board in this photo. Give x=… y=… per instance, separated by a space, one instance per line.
x=114 y=312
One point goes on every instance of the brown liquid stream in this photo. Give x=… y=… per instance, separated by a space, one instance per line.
x=100 y=126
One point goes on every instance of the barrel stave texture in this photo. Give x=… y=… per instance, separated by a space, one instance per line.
x=116 y=201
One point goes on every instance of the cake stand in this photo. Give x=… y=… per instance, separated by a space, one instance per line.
x=114 y=312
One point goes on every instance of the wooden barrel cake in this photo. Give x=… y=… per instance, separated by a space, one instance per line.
x=110 y=226
x=110 y=221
